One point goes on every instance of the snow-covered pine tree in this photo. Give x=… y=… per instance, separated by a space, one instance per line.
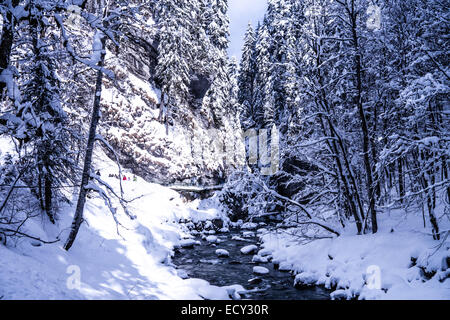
x=40 y=123
x=201 y=46
x=246 y=78
x=286 y=57
x=217 y=30
x=264 y=100
x=278 y=23
x=175 y=20
x=232 y=81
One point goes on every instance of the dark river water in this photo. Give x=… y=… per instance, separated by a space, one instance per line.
x=202 y=262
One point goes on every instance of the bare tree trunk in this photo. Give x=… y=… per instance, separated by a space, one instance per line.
x=362 y=115
x=48 y=196
x=401 y=180
x=341 y=175
x=429 y=196
x=78 y=217
x=351 y=194
x=39 y=191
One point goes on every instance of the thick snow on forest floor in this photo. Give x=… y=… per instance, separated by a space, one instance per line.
x=401 y=261
x=134 y=264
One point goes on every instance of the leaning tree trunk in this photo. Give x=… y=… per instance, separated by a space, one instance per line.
x=78 y=218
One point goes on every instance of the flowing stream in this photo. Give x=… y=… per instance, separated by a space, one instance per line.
x=202 y=262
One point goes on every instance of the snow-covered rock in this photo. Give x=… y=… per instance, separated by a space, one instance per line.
x=248 y=234
x=212 y=239
x=260 y=270
x=285 y=266
x=209 y=226
x=341 y=294
x=187 y=243
x=305 y=279
x=249 y=226
x=182 y=274
x=264 y=252
x=259 y=259
x=222 y=253
x=237 y=223
x=234 y=291
x=251 y=248
x=237 y=238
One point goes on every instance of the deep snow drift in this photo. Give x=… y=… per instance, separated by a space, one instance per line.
x=134 y=264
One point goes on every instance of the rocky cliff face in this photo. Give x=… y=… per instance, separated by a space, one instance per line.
x=193 y=150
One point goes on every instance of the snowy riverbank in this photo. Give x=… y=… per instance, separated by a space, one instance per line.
x=133 y=265
x=401 y=261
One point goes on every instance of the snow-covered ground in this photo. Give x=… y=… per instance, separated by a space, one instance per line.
x=401 y=261
x=134 y=264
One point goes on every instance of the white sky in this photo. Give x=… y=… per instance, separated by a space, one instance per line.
x=240 y=13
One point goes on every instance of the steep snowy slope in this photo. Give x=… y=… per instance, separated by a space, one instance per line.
x=194 y=149
x=184 y=153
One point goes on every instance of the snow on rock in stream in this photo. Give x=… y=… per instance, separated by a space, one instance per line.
x=238 y=238
x=133 y=265
x=305 y=279
x=259 y=259
x=260 y=270
x=222 y=253
x=187 y=243
x=248 y=234
x=249 y=226
x=285 y=266
x=251 y=248
x=212 y=239
x=264 y=252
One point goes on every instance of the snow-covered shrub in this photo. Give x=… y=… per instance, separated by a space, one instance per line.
x=16 y=203
x=7 y=171
x=236 y=194
x=245 y=197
